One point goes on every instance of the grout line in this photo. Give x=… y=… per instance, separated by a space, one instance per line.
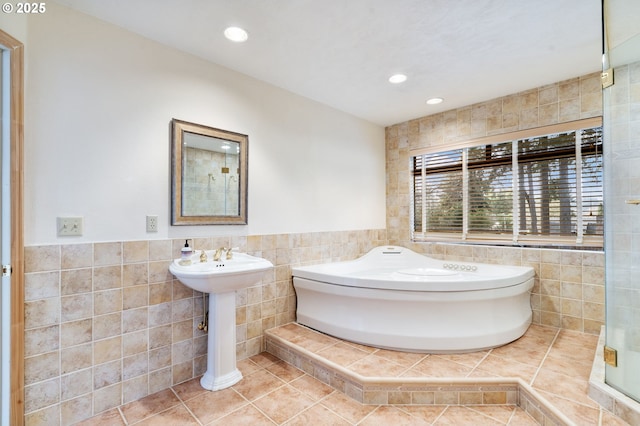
x=368 y=415
x=514 y=408
x=413 y=365
x=320 y=401
x=479 y=362
x=513 y=413
x=250 y=403
x=182 y=402
x=259 y=410
x=544 y=358
x=440 y=415
x=124 y=419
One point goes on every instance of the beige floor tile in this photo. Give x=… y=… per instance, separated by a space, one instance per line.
x=522 y=352
x=211 y=406
x=428 y=413
x=312 y=387
x=493 y=366
x=539 y=335
x=318 y=415
x=247 y=415
x=469 y=359
x=569 y=367
x=108 y=418
x=288 y=331
x=574 y=352
x=609 y=419
x=405 y=359
x=264 y=359
x=138 y=410
x=570 y=388
x=501 y=413
x=189 y=389
x=389 y=415
x=456 y=415
x=521 y=418
x=481 y=373
x=177 y=415
x=246 y=366
x=283 y=403
x=257 y=384
x=346 y=407
x=284 y=371
x=365 y=348
x=374 y=366
x=436 y=366
x=311 y=340
x=580 y=414
x=342 y=354
x=575 y=338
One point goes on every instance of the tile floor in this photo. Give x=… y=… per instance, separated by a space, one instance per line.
x=555 y=362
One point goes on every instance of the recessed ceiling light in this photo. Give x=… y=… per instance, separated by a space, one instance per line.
x=434 y=101
x=397 y=78
x=236 y=34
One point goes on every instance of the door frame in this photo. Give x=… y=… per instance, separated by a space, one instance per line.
x=16 y=52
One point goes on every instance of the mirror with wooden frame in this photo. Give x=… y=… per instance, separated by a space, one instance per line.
x=208 y=175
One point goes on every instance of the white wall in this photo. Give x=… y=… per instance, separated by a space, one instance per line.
x=14 y=25
x=99 y=101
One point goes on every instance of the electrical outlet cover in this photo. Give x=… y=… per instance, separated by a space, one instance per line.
x=152 y=223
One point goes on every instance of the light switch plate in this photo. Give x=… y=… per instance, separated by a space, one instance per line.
x=69 y=226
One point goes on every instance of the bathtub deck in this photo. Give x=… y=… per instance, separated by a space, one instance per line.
x=545 y=372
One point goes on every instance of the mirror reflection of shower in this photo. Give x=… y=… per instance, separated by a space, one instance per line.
x=212 y=178
x=230 y=179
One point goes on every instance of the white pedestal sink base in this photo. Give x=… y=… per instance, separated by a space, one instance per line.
x=220 y=279
x=221 y=346
x=212 y=383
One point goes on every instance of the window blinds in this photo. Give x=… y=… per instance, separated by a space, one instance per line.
x=544 y=189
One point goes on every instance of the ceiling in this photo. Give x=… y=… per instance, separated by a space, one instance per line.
x=342 y=52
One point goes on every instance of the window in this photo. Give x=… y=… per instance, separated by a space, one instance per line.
x=529 y=190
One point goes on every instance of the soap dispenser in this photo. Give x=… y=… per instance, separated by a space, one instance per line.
x=186 y=252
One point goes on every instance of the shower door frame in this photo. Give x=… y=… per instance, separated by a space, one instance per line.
x=622 y=199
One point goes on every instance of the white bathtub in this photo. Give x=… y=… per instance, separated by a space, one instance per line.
x=397 y=299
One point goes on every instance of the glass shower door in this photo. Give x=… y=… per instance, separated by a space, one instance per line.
x=621 y=120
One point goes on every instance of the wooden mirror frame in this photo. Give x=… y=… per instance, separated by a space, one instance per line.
x=178 y=216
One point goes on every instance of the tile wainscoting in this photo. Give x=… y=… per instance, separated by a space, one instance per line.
x=106 y=323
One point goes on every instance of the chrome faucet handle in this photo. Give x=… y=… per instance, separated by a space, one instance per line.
x=203 y=257
x=229 y=253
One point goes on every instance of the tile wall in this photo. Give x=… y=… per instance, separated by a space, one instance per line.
x=569 y=288
x=106 y=323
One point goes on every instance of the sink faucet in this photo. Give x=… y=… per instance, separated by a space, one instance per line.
x=218 y=254
x=203 y=257
x=229 y=254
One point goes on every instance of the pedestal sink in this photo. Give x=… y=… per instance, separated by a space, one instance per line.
x=221 y=279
